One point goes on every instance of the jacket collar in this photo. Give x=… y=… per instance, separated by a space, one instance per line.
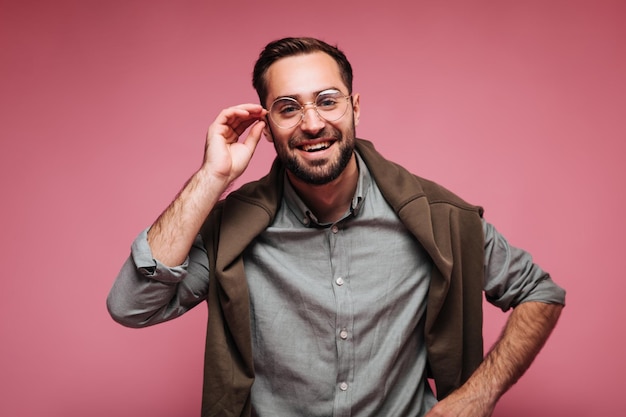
x=412 y=208
x=252 y=208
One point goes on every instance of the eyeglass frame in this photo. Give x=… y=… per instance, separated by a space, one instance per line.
x=303 y=107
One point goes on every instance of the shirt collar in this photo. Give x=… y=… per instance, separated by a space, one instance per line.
x=304 y=214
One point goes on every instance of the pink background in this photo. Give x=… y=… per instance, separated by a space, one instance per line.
x=516 y=105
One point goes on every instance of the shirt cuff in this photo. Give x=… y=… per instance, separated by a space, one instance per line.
x=152 y=268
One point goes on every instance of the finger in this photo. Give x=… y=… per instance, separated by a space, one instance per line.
x=240 y=118
x=227 y=124
x=254 y=136
x=243 y=125
x=244 y=112
x=251 y=107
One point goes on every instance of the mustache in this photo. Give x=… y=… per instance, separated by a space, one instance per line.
x=326 y=133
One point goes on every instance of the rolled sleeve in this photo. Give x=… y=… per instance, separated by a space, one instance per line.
x=147 y=292
x=152 y=268
x=511 y=276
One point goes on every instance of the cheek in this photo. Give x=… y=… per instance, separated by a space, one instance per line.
x=279 y=140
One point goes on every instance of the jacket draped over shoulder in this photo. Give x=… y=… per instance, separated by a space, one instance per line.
x=448 y=228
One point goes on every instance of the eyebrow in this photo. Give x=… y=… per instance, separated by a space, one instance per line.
x=297 y=97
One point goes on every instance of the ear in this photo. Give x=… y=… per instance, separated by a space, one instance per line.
x=267 y=132
x=356 y=107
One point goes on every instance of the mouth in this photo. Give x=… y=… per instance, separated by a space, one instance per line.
x=316 y=147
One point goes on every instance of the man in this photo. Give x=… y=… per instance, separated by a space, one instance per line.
x=340 y=282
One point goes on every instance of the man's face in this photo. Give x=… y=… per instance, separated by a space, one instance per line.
x=315 y=151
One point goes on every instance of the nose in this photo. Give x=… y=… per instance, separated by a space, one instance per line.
x=311 y=120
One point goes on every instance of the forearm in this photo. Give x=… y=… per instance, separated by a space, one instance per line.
x=526 y=331
x=172 y=234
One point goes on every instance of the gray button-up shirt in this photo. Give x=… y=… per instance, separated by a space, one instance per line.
x=337 y=309
x=338 y=312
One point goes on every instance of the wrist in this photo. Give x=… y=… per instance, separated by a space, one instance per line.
x=210 y=181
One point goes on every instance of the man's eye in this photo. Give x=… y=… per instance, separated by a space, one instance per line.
x=327 y=102
x=289 y=109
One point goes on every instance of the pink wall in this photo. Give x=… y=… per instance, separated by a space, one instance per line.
x=104 y=109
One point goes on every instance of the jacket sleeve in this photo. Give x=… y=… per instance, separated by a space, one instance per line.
x=146 y=292
x=511 y=276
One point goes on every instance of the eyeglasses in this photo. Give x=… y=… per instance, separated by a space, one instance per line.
x=287 y=112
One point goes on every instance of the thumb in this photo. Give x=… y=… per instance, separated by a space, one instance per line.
x=254 y=135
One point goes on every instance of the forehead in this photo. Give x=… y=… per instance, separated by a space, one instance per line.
x=303 y=76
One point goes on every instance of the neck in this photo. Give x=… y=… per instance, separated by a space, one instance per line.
x=329 y=202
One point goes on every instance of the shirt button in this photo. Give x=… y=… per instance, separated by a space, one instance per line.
x=343 y=386
x=343 y=334
x=339 y=281
x=334 y=229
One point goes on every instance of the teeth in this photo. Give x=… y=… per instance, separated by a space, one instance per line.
x=316 y=147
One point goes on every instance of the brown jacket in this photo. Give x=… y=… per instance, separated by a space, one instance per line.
x=447 y=227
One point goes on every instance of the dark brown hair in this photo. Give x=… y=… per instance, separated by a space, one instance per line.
x=286 y=47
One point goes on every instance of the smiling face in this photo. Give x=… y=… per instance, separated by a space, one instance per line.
x=315 y=151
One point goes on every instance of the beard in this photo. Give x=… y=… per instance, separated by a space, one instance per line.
x=322 y=171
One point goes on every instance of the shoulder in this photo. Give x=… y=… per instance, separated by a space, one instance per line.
x=400 y=186
x=438 y=194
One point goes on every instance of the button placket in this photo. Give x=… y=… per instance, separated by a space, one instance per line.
x=339 y=258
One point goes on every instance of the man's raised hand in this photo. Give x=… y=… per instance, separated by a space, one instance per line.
x=226 y=156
